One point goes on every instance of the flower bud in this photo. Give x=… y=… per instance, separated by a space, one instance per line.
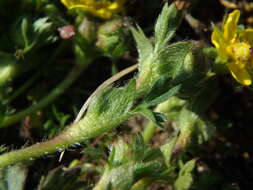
x=88 y=29
x=112 y=37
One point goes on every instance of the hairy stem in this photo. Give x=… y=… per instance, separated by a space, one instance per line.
x=86 y=128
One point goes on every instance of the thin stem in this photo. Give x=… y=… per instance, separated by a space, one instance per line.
x=33 y=151
x=149 y=132
x=31 y=80
x=73 y=75
x=19 y=91
x=142 y=184
x=86 y=128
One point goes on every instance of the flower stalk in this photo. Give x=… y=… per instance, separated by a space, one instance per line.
x=73 y=75
x=86 y=128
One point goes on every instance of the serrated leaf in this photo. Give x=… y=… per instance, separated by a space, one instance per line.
x=188 y=167
x=144 y=46
x=114 y=101
x=205 y=130
x=138 y=147
x=166 y=25
x=172 y=60
x=147 y=169
x=42 y=25
x=143 y=110
x=184 y=182
x=192 y=126
x=164 y=96
x=119 y=154
x=167 y=150
x=160 y=87
x=185 y=178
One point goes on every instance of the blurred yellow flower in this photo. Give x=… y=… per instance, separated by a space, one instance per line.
x=235 y=47
x=102 y=8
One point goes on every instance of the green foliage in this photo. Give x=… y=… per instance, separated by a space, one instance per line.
x=192 y=127
x=178 y=88
x=53 y=127
x=114 y=101
x=144 y=46
x=134 y=161
x=166 y=25
x=113 y=37
x=185 y=177
x=36 y=35
x=61 y=178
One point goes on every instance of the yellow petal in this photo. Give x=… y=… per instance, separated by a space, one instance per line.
x=231 y=25
x=247 y=35
x=219 y=42
x=241 y=75
x=104 y=8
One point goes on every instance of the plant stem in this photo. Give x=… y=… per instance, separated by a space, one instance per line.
x=148 y=132
x=73 y=75
x=36 y=75
x=86 y=128
x=142 y=184
x=22 y=88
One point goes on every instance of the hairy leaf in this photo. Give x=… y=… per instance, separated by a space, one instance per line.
x=144 y=46
x=166 y=25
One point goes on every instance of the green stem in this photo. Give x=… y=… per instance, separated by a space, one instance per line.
x=89 y=127
x=22 y=88
x=36 y=75
x=142 y=184
x=148 y=132
x=73 y=75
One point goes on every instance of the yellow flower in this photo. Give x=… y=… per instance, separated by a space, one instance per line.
x=235 y=48
x=102 y=8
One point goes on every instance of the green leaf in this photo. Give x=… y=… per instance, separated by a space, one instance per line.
x=147 y=169
x=185 y=178
x=166 y=25
x=149 y=114
x=171 y=60
x=164 y=96
x=160 y=87
x=24 y=31
x=167 y=150
x=193 y=127
x=160 y=117
x=205 y=130
x=144 y=46
x=138 y=147
x=61 y=178
x=3 y=148
x=119 y=154
x=114 y=101
x=13 y=178
x=200 y=103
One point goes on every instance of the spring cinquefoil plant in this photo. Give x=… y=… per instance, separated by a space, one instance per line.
x=157 y=81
